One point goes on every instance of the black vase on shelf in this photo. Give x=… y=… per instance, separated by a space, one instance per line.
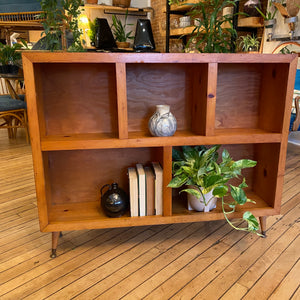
x=114 y=201
x=143 y=40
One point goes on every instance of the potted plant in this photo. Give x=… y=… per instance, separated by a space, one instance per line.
x=269 y=18
x=249 y=43
x=10 y=58
x=208 y=179
x=119 y=31
x=211 y=33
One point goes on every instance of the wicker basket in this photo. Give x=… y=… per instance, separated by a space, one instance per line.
x=121 y=3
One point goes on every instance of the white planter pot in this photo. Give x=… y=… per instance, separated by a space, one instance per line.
x=198 y=204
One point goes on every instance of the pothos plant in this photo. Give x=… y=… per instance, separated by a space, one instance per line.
x=58 y=17
x=199 y=166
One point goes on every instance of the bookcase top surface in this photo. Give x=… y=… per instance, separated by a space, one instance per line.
x=84 y=57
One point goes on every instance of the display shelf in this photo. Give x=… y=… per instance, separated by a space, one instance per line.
x=184 y=5
x=138 y=138
x=251 y=22
x=258 y=209
x=118 y=9
x=88 y=119
x=182 y=31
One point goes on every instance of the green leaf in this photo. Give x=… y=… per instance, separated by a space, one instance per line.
x=244 y=163
x=211 y=180
x=178 y=181
x=243 y=184
x=238 y=195
x=220 y=191
x=193 y=192
x=253 y=224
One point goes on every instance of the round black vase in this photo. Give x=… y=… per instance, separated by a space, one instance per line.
x=114 y=201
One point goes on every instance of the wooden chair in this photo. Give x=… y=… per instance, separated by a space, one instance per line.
x=13 y=115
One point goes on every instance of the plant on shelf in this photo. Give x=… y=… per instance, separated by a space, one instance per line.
x=249 y=43
x=10 y=58
x=60 y=18
x=207 y=179
x=269 y=15
x=119 y=31
x=269 y=18
x=214 y=32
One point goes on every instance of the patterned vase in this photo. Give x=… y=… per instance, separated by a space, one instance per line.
x=162 y=123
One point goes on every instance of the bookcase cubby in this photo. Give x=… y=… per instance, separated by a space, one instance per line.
x=88 y=118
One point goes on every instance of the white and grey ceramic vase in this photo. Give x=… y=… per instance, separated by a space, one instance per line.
x=162 y=123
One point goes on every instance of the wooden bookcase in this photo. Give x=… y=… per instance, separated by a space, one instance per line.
x=88 y=118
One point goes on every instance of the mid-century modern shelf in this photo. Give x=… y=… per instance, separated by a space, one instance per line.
x=88 y=116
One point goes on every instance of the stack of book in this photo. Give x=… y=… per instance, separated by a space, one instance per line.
x=146 y=190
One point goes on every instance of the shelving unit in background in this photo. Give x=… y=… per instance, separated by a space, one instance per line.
x=239 y=23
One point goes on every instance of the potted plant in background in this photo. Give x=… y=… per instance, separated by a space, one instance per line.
x=119 y=31
x=249 y=43
x=207 y=180
x=269 y=18
x=60 y=18
x=10 y=58
x=211 y=33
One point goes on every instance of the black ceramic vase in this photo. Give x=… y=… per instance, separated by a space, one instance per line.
x=114 y=201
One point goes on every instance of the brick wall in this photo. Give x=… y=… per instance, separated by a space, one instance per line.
x=158 y=23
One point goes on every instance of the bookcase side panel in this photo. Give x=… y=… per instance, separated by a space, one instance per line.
x=31 y=75
x=122 y=100
x=167 y=177
x=79 y=98
x=199 y=74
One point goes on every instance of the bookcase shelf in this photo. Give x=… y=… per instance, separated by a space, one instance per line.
x=88 y=118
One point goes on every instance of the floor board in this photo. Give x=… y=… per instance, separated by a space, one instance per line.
x=205 y=260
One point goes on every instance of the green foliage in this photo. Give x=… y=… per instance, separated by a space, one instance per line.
x=211 y=34
x=59 y=16
x=92 y=31
x=249 y=43
x=269 y=15
x=9 y=55
x=285 y=50
x=119 y=30
x=202 y=168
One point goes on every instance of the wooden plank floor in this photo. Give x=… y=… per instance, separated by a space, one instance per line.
x=183 y=261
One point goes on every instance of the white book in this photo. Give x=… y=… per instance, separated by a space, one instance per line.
x=142 y=189
x=158 y=172
x=133 y=192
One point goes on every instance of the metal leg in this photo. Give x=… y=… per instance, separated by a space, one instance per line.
x=55 y=237
x=263 y=225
